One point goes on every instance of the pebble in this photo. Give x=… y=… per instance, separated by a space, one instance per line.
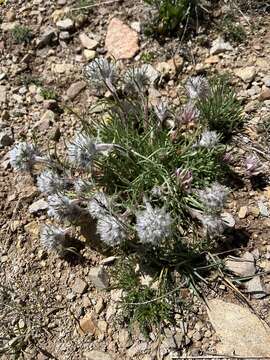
x=64 y=35
x=75 y=89
x=247 y=74
x=243 y=212
x=99 y=277
x=220 y=46
x=97 y=355
x=88 y=43
x=265 y=93
x=47 y=36
x=266 y=81
x=65 y=25
x=38 y=206
x=89 y=54
x=3 y=94
x=244 y=266
x=79 y=286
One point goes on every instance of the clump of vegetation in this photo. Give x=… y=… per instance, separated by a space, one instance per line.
x=48 y=94
x=231 y=30
x=173 y=16
x=21 y=34
x=149 y=177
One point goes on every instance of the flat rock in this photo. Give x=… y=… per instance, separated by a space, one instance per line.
x=65 y=24
x=247 y=74
x=38 y=206
x=46 y=37
x=220 y=46
x=79 y=286
x=89 y=54
x=88 y=43
x=265 y=93
x=121 y=41
x=88 y=325
x=97 y=355
x=99 y=277
x=75 y=89
x=241 y=332
x=3 y=94
x=255 y=287
x=243 y=212
x=266 y=81
x=150 y=72
x=244 y=266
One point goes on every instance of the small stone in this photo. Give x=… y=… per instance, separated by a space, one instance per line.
x=263 y=209
x=244 y=266
x=88 y=325
x=32 y=229
x=10 y=15
x=266 y=81
x=124 y=339
x=79 y=286
x=220 y=46
x=75 y=89
x=136 y=25
x=46 y=37
x=150 y=72
x=3 y=94
x=97 y=355
x=109 y=260
x=99 y=277
x=64 y=35
x=121 y=41
x=6 y=138
x=65 y=24
x=62 y=68
x=197 y=336
x=88 y=43
x=247 y=74
x=243 y=212
x=255 y=211
x=99 y=307
x=49 y=115
x=212 y=59
x=38 y=206
x=255 y=287
x=265 y=93
x=89 y=54
x=228 y=219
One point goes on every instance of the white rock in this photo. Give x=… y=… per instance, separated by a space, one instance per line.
x=97 y=355
x=220 y=46
x=87 y=43
x=3 y=94
x=151 y=72
x=99 y=277
x=65 y=25
x=89 y=54
x=247 y=74
x=244 y=266
x=38 y=206
x=255 y=287
x=266 y=81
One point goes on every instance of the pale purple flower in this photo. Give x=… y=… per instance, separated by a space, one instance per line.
x=161 y=111
x=197 y=87
x=99 y=205
x=214 y=225
x=63 y=208
x=184 y=179
x=188 y=114
x=102 y=74
x=82 y=186
x=153 y=225
x=253 y=165
x=136 y=80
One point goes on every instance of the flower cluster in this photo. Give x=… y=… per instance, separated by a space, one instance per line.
x=208 y=139
x=102 y=74
x=111 y=230
x=136 y=80
x=197 y=88
x=49 y=182
x=62 y=208
x=53 y=238
x=253 y=166
x=153 y=225
x=23 y=156
x=99 y=205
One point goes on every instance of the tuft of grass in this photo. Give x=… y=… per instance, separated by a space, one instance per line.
x=221 y=110
x=231 y=30
x=147 y=57
x=21 y=34
x=49 y=94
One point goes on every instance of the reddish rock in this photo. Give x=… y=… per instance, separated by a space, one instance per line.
x=121 y=41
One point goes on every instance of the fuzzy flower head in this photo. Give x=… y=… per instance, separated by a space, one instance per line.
x=161 y=111
x=197 y=87
x=253 y=166
x=81 y=151
x=53 y=238
x=214 y=197
x=102 y=74
x=82 y=186
x=23 y=156
x=111 y=230
x=99 y=205
x=188 y=115
x=62 y=208
x=184 y=179
x=136 y=80
x=213 y=225
x=153 y=225
x=209 y=139
x=49 y=182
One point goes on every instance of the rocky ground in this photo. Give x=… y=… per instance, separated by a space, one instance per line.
x=70 y=312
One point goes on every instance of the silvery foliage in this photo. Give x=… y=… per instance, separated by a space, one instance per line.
x=253 y=165
x=188 y=114
x=153 y=225
x=214 y=197
x=99 y=205
x=82 y=186
x=209 y=139
x=136 y=80
x=111 y=230
x=213 y=224
x=102 y=74
x=53 y=238
x=197 y=88
x=23 y=156
x=49 y=182
x=82 y=149
x=62 y=208
x=161 y=111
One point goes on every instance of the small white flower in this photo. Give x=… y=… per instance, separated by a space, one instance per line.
x=99 y=205
x=197 y=87
x=102 y=74
x=61 y=208
x=209 y=139
x=81 y=150
x=49 y=182
x=153 y=225
x=136 y=80
x=111 y=231
x=214 y=225
x=22 y=156
x=214 y=197
x=53 y=238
